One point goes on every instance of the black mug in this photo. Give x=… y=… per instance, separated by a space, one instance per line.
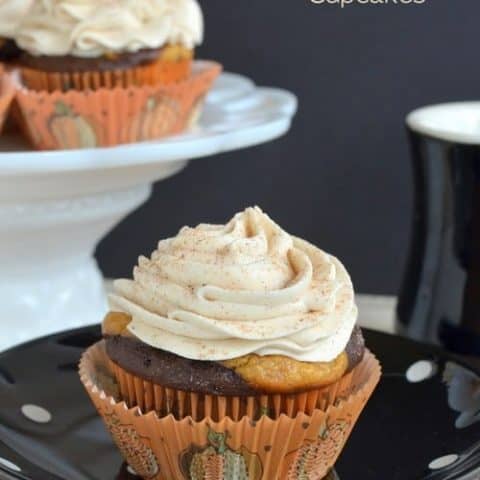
x=440 y=295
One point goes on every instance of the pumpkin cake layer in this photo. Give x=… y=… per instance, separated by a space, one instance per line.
x=108 y=62
x=244 y=376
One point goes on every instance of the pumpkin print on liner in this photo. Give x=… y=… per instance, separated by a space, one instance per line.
x=133 y=448
x=315 y=458
x=108 y=117
x=159 y=117
x=218 y=461
x=70 y=129
x=196 y=111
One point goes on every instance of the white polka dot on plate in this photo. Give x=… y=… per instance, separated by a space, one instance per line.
x=131 y=471
x=421 y=371
x=11 y=466
x=36 y=414
x=443 y=462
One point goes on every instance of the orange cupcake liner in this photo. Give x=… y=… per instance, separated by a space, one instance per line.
x=154 y=73
x=254 y=447
x=16 y=122
x=108 y=117
x=7 y=94
x=148 y=396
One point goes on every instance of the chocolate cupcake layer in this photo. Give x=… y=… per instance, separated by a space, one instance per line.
x=71 y=64
x=8 y=50
x=355 y=349
x=173 y=371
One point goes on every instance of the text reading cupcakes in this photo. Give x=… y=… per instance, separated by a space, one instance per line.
x=235 y=349
x=100 y=73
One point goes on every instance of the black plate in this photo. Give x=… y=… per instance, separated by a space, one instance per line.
x=405 y=427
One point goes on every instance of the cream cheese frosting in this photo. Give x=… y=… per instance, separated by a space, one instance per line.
x=217 y=292
x=86 y=28
x=11 y=14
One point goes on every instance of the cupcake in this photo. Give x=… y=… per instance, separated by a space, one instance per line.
x=235 y=353
x=92 y=44
x=104 y=73
x=11 y=14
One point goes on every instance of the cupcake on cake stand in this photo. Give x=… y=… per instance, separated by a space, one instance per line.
x=55 y=206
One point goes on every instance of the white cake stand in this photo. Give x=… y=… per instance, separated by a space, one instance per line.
x=56 y=206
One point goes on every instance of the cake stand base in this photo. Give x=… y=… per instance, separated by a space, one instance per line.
x=46 y=258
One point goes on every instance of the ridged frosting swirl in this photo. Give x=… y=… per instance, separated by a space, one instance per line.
x=11 y=14
x=86 y=28
x=217 y=292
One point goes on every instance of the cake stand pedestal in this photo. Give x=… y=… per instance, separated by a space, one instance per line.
x=56 y=206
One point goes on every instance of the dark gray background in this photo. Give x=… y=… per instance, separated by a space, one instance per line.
x=341 y=177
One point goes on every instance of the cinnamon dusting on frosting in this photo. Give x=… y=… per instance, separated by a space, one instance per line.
x=218 y=292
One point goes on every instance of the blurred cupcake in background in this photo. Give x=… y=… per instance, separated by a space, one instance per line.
x=102 y=73
x=12 y=13
x=92 y=44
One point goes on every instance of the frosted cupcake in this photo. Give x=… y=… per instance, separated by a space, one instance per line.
x=269 y=313
x=239 y=344
x=93 y=44
x=11 y=14
x=103 y=73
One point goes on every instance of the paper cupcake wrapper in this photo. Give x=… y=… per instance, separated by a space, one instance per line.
x=155 y=73
x=16 y=122
x=148 y=396
x=107 y=117
x=7 y=94
x=285 y=448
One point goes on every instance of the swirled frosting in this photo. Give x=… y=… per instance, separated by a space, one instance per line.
x=86 y=28
x=217 y=292
x=11 y=14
